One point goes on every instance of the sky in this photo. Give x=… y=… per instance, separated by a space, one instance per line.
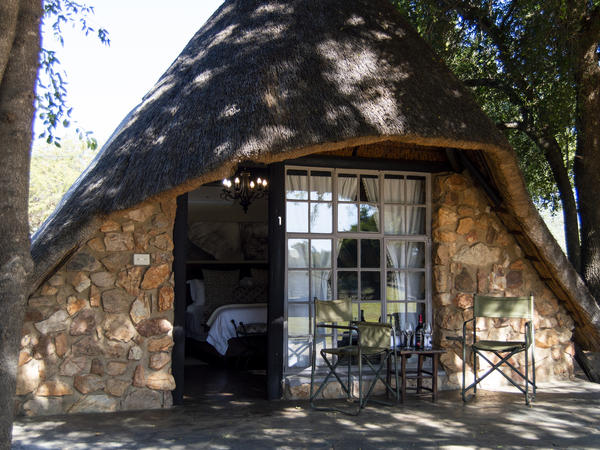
x=106 y=82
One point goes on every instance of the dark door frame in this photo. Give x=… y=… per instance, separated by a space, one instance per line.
x=179 y=270
x=275 y=310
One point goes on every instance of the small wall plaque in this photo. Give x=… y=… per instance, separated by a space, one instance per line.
x=141 y=259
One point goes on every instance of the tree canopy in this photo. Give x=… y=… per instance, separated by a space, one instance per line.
x=523 y=59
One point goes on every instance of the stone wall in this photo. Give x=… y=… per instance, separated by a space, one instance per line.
x=97 y=333
x=474 y=253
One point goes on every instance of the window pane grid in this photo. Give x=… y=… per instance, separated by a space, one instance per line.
x=358 y=206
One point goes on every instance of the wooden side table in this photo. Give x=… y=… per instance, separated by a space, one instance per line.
x=420 y=374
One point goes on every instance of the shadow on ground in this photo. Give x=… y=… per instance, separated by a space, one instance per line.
x=563 y=415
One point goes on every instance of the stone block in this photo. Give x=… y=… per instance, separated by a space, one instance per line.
x=451 y=318
x=514 y=279
x=56 y=280
x=83 y=261
x=464 y=282
x=116 y=350
x=455 y=182
x=142 y=213
x=43 y=406
x=75 y=365
x=118 y=242
x=464 y=301
x=44 y=347
x=139 y=377
x=135 y=353
x=24 y=357
x=116 y=301
x=444 y=236
x=114 y=368
x=86 y=346
x=160 y=220
x=61 y=344
x=154 y=327
x=110 y=226
x=118 y=328
x=162 y=242
x=80 y=281
x=103 y=279
x=116 y=261
x=53 y=389
x=478 y=255
x=129 y=227
x=130 y=279
x=97 y=367
x=441 y=279
x=141 y=239
x=139 y=309
x=465 y=225
x=74 y=305
x=166 y=297
x=48 y=290
x=160 y=381
x=96 y=244
x=142 y=399
x=446 y=218
x=95 y=403
x=84 y=323
x=88 y=383
x=29 y=376
x=116 y=387
x=94 y=296
x=155 y=276
x=547 y=338
x=159 y=360
x=56 y=322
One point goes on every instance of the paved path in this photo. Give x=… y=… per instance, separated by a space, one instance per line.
x=563 y=415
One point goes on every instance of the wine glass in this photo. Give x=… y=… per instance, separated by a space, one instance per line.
x=409 y=335
x=427 y=333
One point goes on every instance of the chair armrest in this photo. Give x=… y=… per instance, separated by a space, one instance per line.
x=337 y=327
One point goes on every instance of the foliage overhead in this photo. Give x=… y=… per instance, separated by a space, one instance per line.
x=52 y=105
x=516 y=56
x=53 y=171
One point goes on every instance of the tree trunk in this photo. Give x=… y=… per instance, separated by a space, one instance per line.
x=19 y=49
x=587 y=157
x=547 y=142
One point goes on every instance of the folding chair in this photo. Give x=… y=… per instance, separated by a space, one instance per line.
x=501 y=307
x=372 y=342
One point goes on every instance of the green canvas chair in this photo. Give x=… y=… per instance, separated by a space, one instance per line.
x=495 y=308
x=371 y=345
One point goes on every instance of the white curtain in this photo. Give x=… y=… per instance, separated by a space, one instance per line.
x=297 y=187
x=414 y=215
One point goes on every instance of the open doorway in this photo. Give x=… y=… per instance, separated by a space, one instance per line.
x=226 y=277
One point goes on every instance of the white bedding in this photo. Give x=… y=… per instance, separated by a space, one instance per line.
x=221 y=328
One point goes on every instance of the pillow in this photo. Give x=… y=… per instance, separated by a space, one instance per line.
x=197 y=291
x=219 y=286
x=260 y=276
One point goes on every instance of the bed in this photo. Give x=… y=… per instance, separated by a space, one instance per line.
x=222 y=329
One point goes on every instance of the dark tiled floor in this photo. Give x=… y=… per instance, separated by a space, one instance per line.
x=564 y=415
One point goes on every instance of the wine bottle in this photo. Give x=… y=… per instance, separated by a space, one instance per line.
x=419 y=344
x=362 y=315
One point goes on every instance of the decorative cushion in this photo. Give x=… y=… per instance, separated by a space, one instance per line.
x=260 y=276
x=219 y=286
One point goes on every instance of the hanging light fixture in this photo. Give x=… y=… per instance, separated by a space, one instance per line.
x=244 y=189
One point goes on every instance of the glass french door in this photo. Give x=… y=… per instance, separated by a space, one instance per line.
x=358 y=234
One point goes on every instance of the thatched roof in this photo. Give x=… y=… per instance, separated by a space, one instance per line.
x=268 y=80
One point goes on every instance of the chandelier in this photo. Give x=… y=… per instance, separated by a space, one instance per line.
x=244 y=189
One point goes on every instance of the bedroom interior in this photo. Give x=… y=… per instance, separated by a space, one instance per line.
x=227 y=292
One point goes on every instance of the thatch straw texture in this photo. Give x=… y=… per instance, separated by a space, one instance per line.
x=266 y=80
